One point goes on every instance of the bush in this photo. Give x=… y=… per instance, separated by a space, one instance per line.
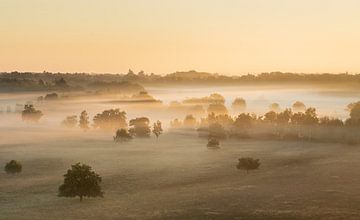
x=31 y=114
x=248 y=163
x=13 y=167
x=213 y=143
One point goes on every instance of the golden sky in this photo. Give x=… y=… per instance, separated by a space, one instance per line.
x=163 y=36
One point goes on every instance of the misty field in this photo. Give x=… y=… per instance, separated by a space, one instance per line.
x=177 y=177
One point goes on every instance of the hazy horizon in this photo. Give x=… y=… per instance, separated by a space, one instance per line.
x=227 y=37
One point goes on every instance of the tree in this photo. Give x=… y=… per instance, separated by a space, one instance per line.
x=274 y=107
x=122 y=135
x=157 y=129
x=140 y=127
x=239 y=104
x=70 y=121
x=213 y=143
x=13 y=167
x=30 y=114
x=217 y=131
x=248 y=163
x=299 y=106
x=243 y=121
x=355 y=114
x=270 y=117
x=81 y=181
x=190 y=121
x=217 y=109
x=110 y=120
x=84 y=121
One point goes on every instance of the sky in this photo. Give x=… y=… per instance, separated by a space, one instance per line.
x=164 y=36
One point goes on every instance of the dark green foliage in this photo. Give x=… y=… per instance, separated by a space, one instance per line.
x=30 y=114
x=84 y=121
x=13 y=167
x=70 y=121
x=81 y=181
x=157 y=129
x=122 y=135
x=248 y=163
x=140 y=127
x=110 y=120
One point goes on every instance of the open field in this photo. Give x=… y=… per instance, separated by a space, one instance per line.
x=177 y=177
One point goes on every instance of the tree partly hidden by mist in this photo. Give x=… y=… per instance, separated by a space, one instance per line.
x=84 y=121
x=110 y=120
x=13 y=167
x=70 y=121
x=122 y=135
x=157 y=129
x=81 y=181
x=248 y=163
x=30 y=114
x=239 y=105
x=140 y=127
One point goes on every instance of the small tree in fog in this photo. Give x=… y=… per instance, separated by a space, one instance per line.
x=30 y=114
x=189 y=121
x=239 y=105
x=122 y=135
x=299 y=106
x=70 y=121
x=248 y=163
x=81 y=181
x=274 y=107
x=157 y=129
x=213 y=143
x=110 y=120
x=13 y=167
x=84 y=121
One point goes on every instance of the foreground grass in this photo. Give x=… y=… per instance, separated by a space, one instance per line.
x=177 y=177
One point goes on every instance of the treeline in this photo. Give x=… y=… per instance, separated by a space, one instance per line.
x=284 y=125
x=83 y=80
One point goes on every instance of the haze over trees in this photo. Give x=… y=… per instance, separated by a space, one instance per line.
x=299 y=106
x=157 y=129
x=239 y=105
x=122 y=135
x=81 y=181
x=70 y=121
x=84 y=121
x=110 y=120
x=30 y=114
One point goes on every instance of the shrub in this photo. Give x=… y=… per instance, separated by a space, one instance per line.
x=122 y=135
x=213 y=143
x=13 y=167
x=248 y=163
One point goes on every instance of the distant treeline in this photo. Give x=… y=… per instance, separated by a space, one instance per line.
x=82 y=80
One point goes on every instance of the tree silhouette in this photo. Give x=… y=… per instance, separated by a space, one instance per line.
x=248 y=163
x=110 y=120
x=81 y=181
x=213 y=143
x=217 y=109
x=84 y=121
x=70 y=121
x=140 y=127
x=299 y=106
x=274 y=107
x=122 y=135
x=190 y=121
x=30 y=114
x=239 y=104
x=13 y=167
x=157 y=129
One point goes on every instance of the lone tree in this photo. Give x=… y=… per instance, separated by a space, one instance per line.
x=239 y=104
x=299 y=106
x=30 y=114
x=13 y=167
x=122 y=135
x=81 y=181
x=157 y=129
x=248 y=163
x=84 y=121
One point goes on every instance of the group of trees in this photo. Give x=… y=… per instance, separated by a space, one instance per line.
x=139 y=127
x=300 y=123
